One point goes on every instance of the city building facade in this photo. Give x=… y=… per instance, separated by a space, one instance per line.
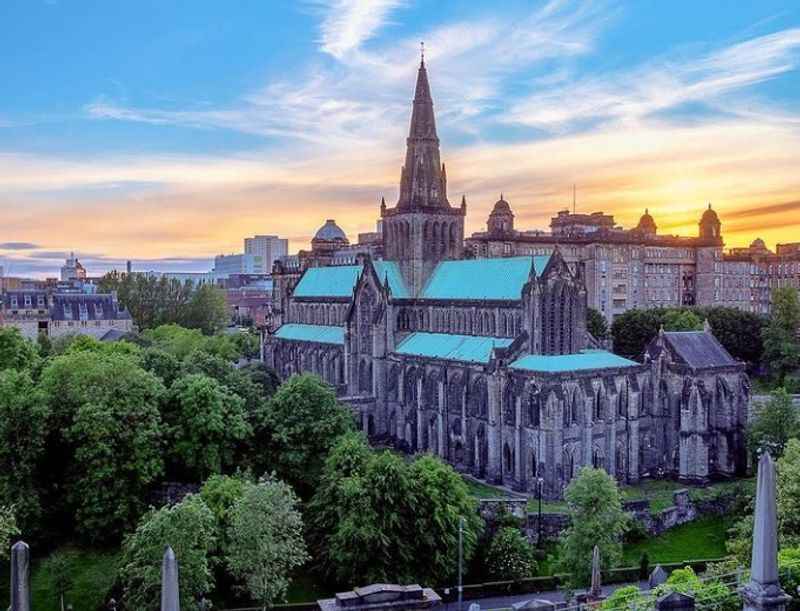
x=485 y=360
x=269 y=248
x=227 y=265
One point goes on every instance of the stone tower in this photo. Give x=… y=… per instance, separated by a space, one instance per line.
x=422 y=229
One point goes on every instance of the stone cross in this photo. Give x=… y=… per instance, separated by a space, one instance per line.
x=170 y=595
x=596 y=591
x=764 y=591
x=20 y=577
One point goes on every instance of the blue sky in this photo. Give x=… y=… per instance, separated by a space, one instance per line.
x=165 y=131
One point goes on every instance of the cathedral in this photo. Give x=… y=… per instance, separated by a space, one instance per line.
x=487 y=362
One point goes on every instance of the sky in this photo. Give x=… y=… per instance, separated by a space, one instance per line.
x=165 y=131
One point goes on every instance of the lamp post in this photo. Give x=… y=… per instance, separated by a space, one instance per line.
x=460 y=560
x=539 y=484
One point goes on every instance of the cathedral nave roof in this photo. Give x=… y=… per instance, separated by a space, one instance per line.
x=482 y=279
x=451 y=347
x=581 y=361
x=321 y=334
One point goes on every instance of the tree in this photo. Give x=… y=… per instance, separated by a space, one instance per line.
x=633 y=330
x=107 y=441
x=368 y=502
x=59 y=573
x=24 y=418
x=265 y=377
x=16 y=352
x=174 y=339
x=781 y=346
x=206 y=422
x=265 y=540
x=298 y=426
x=510 y=556
x=8 y=529
x=188 y=528
x=738 y=331
x=789 y=495
x=437 y=487
x=206 y=310
x=151 y=301
x=221 y=492
x=772 y=424
x=596 y=324
x=681 y=320
x=162 y=364
x=596 y=518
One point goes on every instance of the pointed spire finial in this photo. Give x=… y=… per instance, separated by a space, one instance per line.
x=647 y=210
x=422 y=52
x=170 y=591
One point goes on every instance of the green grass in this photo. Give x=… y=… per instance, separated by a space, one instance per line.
x=701 y=539
x=93 y=573
x=481 y=490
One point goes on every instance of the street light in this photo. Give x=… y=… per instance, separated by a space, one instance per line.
x=460 y=560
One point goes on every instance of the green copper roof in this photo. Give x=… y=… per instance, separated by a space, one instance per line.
x=391 y=270
x=339 y=280
x=484 y=279
x=588 y=359
x=334 y=281
x=322 y=334
x=468 y=348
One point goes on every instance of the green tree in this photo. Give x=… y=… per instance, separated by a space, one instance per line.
x=596 y=518
x=162 y=364
x=24 y=418
x=772 y=424
x=265 y=377
x=739 y=332
x=151 y=301
x=366 y=504
x=16 y=351
x=8 y=529
x=265 y=540
x=188 y=528
x=298 y=426
x=176 y=340
x=634 y=329
x=220 y=493
x=206 y=310
x=596 y=324
x=789 y=494
x=206 y=422
x=781 y=346
x=59 y=573
x=107 y=443
x=510 y=556
x=681 y=320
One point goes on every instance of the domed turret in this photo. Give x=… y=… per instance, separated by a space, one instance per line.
x=329 y=237
x=710 y=227
x=646 y=224
x=501 y=219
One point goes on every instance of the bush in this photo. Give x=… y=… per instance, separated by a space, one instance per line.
x=510 y=556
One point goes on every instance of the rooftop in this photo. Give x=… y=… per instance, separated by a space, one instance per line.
x=321 y=334
x=451 y=347
x=483 y=279
x=581 y=361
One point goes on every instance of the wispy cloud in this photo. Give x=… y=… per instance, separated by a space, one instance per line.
x=18 y=246
x=661 y=85
x=349 y=23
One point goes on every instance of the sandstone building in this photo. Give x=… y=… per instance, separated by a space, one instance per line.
x=486 y=361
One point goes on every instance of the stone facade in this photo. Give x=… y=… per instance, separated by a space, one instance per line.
x=486 y=362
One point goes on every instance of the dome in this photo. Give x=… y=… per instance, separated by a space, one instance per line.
x=646 y=222
x=709 y=216
x=501 y=206
x=330 y=232
x=758 y=244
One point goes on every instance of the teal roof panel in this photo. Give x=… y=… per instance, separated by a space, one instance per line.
x=322 y=334
x=334 y=281
x=391 y=270
x=467 y=348
x=482 y=279
x=581 y=361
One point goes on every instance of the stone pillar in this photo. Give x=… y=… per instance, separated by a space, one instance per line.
x=20 y=577
x=633 y=451
x=170 y=591
x=764 y=590
x=596 y=591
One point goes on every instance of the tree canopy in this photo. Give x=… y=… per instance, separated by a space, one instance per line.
x=596 y=324
x=596 y=518
x=189 y=528
x=16 y=352
x=781 y=344
x=772 y=424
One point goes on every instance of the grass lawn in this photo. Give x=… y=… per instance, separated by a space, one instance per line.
x=699 y=540
x=93 y=572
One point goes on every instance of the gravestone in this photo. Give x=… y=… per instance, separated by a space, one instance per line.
x=20 y=577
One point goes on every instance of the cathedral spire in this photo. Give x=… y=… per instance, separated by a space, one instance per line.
x=423 y=183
